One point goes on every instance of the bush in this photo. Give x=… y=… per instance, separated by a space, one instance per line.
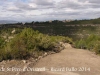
x=91 y=43
x=30 y=43
x=2 y=42
x=97 y=48
x=80 y=44
x=61 y=38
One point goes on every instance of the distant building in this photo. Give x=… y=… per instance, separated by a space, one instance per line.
x=50 y=21
x=67 y=20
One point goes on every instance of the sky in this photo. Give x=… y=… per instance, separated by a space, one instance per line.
x=43 y=10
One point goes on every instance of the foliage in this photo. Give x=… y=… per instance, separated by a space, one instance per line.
x=61 y=38
x=80 y=44
x=30 y=43
x=91 y=43
x=97 y=47
x=2 y=42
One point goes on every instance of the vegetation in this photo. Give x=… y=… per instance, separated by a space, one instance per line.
x=27 y=42
x=91 y=43
x=2 y=42
x=30 y=43
x=63 y=28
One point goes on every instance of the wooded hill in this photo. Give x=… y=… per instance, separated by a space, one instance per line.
x=72 y=28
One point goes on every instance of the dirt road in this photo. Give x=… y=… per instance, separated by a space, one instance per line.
x=74 y=61
x=70 y=61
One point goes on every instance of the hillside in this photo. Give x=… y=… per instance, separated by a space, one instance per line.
x=75 y=29
x=69 y=57
x=24 y=48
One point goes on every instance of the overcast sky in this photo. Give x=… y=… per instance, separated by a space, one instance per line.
x=42 y=10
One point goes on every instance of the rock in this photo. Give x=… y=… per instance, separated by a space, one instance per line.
x=13 y=31
x=36 y=60
x=40 y=57
x=52 y=52
x=4 y=62
x=24 y=61
x=45 y=54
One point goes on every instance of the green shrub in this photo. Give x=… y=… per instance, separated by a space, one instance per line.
x=61 y=38
x=2 y=42
x=97 y=48
x=91 y=43
x=23 y=44
x=80 y=44
x=31 y=43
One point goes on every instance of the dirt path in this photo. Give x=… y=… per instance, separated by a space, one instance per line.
x=86 y=62
x=70 y=61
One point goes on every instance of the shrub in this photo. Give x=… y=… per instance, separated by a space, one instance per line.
x=2 y=42
x=22 y=46
x=97 y=48
x=30 y=43
x=61 y=38
x=91 y=43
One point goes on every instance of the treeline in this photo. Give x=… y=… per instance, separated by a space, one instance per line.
x=63 y=28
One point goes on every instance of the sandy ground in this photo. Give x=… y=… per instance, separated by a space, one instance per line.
x=70 y=61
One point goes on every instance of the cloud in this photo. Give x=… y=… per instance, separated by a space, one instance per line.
x=94 y=1
x=25 y=6
x=43 y=2
x=49 y=9
x=76 y=4
x=35 y=4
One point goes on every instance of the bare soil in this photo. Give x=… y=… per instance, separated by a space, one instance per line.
x=86 y=63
